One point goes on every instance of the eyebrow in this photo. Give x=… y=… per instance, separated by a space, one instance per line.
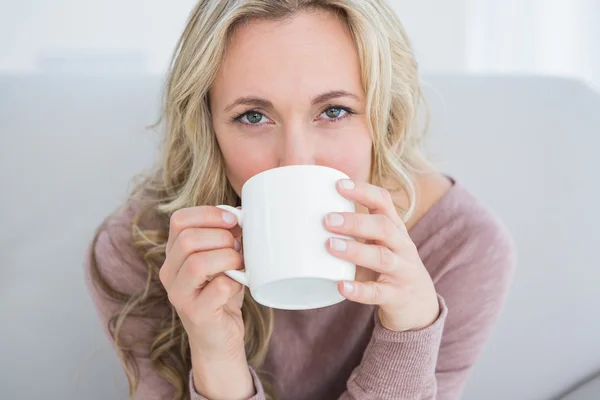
x=264 y=103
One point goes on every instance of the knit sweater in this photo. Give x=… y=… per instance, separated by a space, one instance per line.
x=342 y=351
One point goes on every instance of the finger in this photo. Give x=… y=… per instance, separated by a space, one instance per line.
x=218 y=292
x=369 y=292
x=377 y=258
x=376 y=227
x=376 y=199
x=199 y=268
x=200 y=217
x=194 y=240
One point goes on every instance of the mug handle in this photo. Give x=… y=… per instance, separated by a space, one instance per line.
x=234 y=274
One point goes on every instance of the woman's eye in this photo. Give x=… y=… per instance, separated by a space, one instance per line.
x=334 y=112
x=252 y=118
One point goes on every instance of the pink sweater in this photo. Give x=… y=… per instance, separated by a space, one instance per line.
x=343 y=352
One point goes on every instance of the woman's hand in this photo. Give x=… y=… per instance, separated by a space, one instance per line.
x=392 y=275
x=202 y=245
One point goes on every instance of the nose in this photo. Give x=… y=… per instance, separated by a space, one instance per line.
x=296 y=148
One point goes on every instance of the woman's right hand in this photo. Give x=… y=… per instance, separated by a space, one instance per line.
x=202 y=245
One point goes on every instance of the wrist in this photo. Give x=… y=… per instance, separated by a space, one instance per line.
x=226 y=378
x=395 y=322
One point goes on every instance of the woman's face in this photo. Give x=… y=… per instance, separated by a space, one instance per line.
x=289 y=92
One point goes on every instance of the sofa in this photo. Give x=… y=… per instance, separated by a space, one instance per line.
x=526 y=146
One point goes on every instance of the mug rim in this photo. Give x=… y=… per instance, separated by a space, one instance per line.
x=296 y=166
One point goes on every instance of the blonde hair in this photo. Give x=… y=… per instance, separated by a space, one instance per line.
x=192 y=172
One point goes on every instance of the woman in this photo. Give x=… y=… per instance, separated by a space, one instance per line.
x=258 y=84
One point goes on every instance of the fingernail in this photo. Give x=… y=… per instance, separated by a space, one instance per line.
x=334 y=219
x=229 y=217
x=348 y=287
x=236 y=245
x=337 y=244
x=346 y=184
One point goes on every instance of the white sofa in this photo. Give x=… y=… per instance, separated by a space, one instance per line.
x=526 y=146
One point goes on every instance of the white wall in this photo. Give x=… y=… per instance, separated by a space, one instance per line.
x=140 y=35
x=437 y=29
x=541 y=37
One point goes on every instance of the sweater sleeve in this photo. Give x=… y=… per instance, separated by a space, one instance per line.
x=260 y=394
x=398 y=365
x=426 y=364
x=122 y=269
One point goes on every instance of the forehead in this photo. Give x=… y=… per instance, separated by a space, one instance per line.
x=305 y=55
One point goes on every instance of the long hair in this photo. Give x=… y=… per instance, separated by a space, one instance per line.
x=192 y=169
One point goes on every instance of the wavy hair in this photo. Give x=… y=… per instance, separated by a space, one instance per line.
x=192 y=170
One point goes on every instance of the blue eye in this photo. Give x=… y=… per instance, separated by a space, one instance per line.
x=255 y=118
x=334 y=112
x=252 y=118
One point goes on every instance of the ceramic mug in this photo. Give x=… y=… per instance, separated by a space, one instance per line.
x=287 y=265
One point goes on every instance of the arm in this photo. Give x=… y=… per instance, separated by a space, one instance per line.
x=217 y=377
x=398 y=365
x=413 y=365
x=124 y=271
x=260 y=394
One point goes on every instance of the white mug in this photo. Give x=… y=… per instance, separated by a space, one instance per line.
x=287 y=265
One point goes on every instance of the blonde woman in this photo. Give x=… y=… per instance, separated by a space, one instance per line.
x=259 y=84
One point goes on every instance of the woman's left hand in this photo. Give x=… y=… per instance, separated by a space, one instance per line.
x=392 y=275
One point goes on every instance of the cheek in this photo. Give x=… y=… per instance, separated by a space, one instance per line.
x=243 y=162
x=352 y=156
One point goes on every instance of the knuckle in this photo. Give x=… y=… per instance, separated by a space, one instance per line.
x=386 y=197
x=222 y=285
x=162 y=275
x=386 y=257
x=233 y=258
x=187 y=240
x=177 y=220
x=173 y=298
x=225 y=237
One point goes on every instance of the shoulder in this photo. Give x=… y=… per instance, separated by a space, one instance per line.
x=470 y=256
x=460 y=234
x=113 y=253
